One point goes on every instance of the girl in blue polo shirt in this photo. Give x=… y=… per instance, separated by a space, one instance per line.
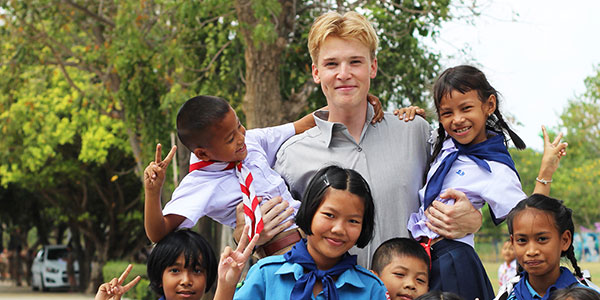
x=337 y=212
x=541 y=231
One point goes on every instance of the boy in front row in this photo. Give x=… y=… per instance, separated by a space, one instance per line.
x=403 y=266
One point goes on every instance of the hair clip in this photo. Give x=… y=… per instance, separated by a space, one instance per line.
x=325 y=179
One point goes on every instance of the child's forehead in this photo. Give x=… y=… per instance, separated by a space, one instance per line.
x=401 y=260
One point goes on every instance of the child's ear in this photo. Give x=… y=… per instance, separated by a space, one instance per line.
x=373 y=271
x=202 y=154
x=565 y=240
x=490 y=105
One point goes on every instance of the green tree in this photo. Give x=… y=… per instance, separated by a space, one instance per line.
x=578 y=185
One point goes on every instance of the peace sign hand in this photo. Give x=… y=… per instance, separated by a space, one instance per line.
x=232 y=262
x=114 y=289
x=154 y=174
x=553 y=152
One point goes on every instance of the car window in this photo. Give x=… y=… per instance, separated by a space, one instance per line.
x=55 y=254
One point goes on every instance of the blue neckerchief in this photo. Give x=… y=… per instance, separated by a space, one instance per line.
x=565 y=280
x=491 y=149
x=303 y=289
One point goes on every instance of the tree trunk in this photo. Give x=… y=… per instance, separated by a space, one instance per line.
x=262 y=102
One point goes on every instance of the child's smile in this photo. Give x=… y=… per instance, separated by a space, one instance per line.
x=463 y=116
x=336 y=227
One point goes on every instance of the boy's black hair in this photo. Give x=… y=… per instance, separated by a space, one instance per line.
x=439 y=295
x=195 y=118
x=562 y=219
x=391 y=248
x=195 y=249
x=576 y=292
x=464 y=79
x=341 y=179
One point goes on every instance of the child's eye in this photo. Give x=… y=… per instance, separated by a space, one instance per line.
x=353 y=221
x=421 y=280
x=198 y=271
x=173 y=270
x=399 y=274
x=542 y=238
x=520 y=241
x=467 y=107
x=445 y=113
x=329 y=215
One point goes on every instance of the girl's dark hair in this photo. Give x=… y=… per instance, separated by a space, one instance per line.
x=341 y=179
x=439 y=295
x=464 y=79
x=575 y=293
x=562 y=219
x=195 y=249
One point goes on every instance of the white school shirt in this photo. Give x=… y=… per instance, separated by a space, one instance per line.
x=216 y=194
x=501 y=189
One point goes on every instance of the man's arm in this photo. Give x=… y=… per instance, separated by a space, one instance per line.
x=453 y=221
x=273 y=212
x=157 y=225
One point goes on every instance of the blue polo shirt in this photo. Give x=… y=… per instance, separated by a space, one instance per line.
x=274 y=278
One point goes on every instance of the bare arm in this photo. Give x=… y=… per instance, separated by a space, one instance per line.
x=553 y=152
x=453 y=221
x=157 y=225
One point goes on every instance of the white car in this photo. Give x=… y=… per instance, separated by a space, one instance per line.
x=49 y=268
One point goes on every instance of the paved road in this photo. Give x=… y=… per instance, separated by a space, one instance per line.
x=9 y=291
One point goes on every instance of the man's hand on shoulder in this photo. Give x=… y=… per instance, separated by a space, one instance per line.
x=453 y=221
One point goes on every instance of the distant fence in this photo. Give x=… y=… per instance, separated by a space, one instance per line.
x=587 y=246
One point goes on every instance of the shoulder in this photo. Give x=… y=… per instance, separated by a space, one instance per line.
x=368 y=276
x=300 y=140
x=269 y=261
x=418 y=123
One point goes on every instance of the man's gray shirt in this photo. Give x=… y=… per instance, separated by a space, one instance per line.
x=392 y=156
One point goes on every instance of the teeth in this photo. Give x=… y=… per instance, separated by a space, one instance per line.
x=462 y=130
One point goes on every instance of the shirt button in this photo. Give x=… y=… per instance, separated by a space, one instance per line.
x=358 y=149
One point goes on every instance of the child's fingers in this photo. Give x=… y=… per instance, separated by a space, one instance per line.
x=131 y=284
x=251 y=245
x=158 y=154
x=169 y=157
x=125 y=274
x=557 y=139
x=243 y=239
x=545 y=134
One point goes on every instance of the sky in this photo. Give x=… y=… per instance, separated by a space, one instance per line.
x=536 y=53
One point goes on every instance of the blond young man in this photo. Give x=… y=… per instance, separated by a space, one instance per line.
x=391 y=155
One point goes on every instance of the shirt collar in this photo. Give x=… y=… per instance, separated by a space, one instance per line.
x=565 y=280
x=349 y=277
x=327 y=128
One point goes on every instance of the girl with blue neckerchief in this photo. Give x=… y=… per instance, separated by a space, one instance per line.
x=337 y=212
x=470 y=156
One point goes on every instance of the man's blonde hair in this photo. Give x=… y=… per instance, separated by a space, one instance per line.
x=351 y=25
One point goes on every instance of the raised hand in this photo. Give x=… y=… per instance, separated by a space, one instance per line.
x=232 y=262
x=114 y=289
x=154 y=174
x=553 y=152
x=409 y=113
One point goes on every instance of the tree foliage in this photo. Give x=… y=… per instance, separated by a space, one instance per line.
x=87 y=88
